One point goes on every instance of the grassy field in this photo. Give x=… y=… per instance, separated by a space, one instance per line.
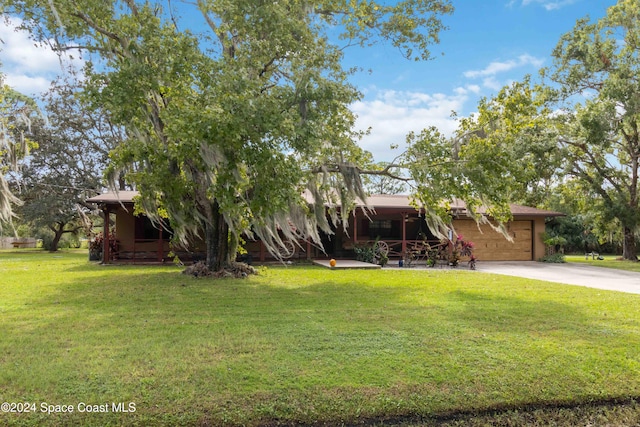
x=609 y=261
x=307 y=345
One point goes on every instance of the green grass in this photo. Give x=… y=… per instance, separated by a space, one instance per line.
x=306 y=345
x=609 y=261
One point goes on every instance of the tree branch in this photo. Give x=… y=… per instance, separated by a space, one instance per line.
x=110 y=34
x=592 y=161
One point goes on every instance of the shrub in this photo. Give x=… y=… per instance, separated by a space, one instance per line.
x=96 y=246
x=556 y=258
x=462 y=248
x=365 y=254
x=47 y=240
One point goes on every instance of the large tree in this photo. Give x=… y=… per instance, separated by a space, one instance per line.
x=74 y=145
x=230 y=128
x=16 y=113
x=494 y=158
x=596 y=68
x=580 y=125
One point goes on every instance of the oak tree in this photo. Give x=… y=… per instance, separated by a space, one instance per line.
x=16 y=114
x=74 y=143
x=241 y=125
x=595 y=70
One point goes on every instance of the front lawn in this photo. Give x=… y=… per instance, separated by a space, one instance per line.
x=609 y=261
x=302 y=345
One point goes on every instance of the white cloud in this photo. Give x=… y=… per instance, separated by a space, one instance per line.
x=474 y=89
x=391 y=115
x=491 y=73
x=549 y=5
x=28 y=85
x=496 y=67
x=29 y=68
x=492 y=83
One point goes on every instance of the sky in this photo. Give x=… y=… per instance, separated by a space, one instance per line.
x=489 y=43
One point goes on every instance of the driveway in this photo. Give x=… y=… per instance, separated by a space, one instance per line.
x=569 y=273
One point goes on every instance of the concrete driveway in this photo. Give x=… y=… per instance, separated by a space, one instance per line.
x=569 y=273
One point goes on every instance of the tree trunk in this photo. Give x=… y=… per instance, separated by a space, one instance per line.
x=217 y=240
x=629 y=245
x=211 y=238
x=58 y=232
x=223 y=244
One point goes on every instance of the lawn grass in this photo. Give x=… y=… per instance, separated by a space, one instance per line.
x=305 y=345
x=609 y=261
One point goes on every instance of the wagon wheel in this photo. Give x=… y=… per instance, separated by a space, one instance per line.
x=381 y=248
x=287 y=249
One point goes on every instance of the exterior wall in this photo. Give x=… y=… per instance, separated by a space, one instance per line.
x=526 y=232
x=130 y=248
x=125 y=229
x=539 y=249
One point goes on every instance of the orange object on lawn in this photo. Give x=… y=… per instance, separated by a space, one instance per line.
x=332 y=262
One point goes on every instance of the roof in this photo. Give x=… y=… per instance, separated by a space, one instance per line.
x=516 y=210
x=402 y=201
x=375 y=201
x=114 y=198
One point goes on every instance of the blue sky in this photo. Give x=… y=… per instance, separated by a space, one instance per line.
x=489 y=44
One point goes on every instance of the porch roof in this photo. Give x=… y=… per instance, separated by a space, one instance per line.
x=124 y=196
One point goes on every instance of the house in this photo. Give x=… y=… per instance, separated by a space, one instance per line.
x=393 y=221
x=136 y=238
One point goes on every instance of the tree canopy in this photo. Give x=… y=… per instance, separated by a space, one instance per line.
x=74 y=143
x=577 y=130
x=235 y=129
x=16 y=113
x=595 y=73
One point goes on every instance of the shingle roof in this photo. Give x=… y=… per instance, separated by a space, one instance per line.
x=402 y=201
x=376 y=201
x=114 y=198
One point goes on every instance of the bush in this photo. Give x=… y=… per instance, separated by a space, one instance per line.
x=462 y=248
x=68 y=240
x=47 y=239
x=96 y=246
x=556 y=258
x=365 y=254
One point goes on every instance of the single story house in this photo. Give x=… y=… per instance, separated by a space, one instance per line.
x=394 y=221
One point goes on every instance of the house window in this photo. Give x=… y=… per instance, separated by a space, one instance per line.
x=146 y=230
x=385 y=228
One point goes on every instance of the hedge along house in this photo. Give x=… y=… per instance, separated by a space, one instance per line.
x=393 y=221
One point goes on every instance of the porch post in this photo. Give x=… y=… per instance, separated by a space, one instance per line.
x=160 y=244
x=355 y=227
x=262 y=254
x=404 y=232
x=106 y=256
x=308 y=248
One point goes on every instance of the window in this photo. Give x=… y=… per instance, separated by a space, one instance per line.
x=385 y=228
x=145 y=230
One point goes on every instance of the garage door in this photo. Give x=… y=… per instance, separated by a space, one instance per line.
x=492 y=246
